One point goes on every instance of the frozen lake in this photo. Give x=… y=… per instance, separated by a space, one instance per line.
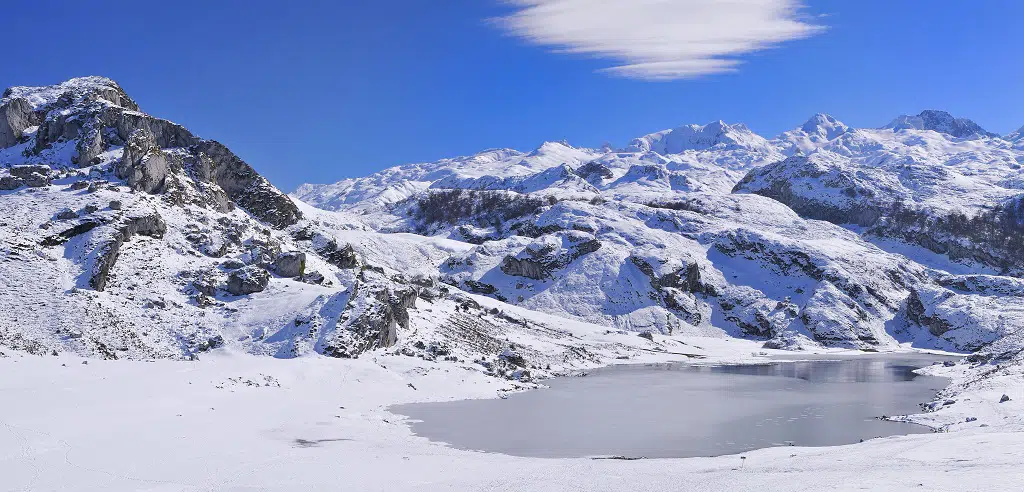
x=662 y=411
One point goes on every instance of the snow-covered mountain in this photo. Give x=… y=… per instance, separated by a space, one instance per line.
x=673 y=233
x=127 y=236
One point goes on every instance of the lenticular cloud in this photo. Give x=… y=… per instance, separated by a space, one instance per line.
x=660 y=39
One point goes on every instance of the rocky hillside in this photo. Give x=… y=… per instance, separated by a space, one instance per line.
x=825 y=235
x=124 y=235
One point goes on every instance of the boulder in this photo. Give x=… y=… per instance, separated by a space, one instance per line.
x=8 y=183
x=32 y=175
x=315 y=278
x=290 y=264
x=66 y=214
x=248 y=280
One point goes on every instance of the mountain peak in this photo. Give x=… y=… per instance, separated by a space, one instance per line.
x=697 y=137
x=938 y=121
x=71 y=90
x=1017 y=135
x=824 y=125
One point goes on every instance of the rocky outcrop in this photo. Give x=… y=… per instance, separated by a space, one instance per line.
x=65 y=235
x=143 y=165
x=341 y=257
x=855 y=201
x=246 y=187
x=594 y=172
x=248 y=280
x=8 y=183
x=968 y=311
x=290 y=264
x=540 y=260
x=372 y=318
x=524 y=267
x=98 y=116
x=148 y=225
x=16 y=115
x=32 y=175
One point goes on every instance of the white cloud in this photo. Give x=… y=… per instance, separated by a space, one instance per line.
x=659 y=39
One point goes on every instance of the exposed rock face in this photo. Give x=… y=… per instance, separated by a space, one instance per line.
x=8 y=183
x=32 y=175
x=246 y=187
x=538 y=261
x=860 y=201
x=76 y=230
x=827 y=186
x=594 y=172
x=143 y=165
x=524 y=267
x=97 y=115
x=148 y=225
x=248 y=280
x=372 y=318
x=16 y=115
x=960 y=309
x=341 y=257
x=290 y=264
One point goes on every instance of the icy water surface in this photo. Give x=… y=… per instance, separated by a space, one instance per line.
x=662 y=411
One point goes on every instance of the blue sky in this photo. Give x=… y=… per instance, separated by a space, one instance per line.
x=321 y=91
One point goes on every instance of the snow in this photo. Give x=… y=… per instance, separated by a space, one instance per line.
x=650 y=238
x=232 y=421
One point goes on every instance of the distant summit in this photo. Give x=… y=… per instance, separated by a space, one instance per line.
x=698 y=137
x=825 y=126
x=939 y=121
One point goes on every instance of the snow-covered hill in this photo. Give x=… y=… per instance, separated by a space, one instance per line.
x=668 y=234
x=125 y=235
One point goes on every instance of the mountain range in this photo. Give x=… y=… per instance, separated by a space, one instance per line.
x=125 y=235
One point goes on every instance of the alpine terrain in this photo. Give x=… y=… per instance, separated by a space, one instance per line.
x=126 y=238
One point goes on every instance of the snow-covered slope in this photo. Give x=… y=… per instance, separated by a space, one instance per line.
x=167 y=244
x=125 y=236
x=595 y=235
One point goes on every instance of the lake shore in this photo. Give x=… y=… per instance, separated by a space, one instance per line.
x=234 y=421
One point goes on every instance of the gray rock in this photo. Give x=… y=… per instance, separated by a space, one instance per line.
x=290 y=264
x=147 y=225
x=248 y=280
x=246 y=187
x=1004 y=399
x=32 y=175
x=344 y=257
x=205 y=285
x=115 y=205
x=525 y=267
x=315 y=278
x=66 y=214
x=143 y=165
x=232 y=264
x=8 y=183
x=15 y=116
